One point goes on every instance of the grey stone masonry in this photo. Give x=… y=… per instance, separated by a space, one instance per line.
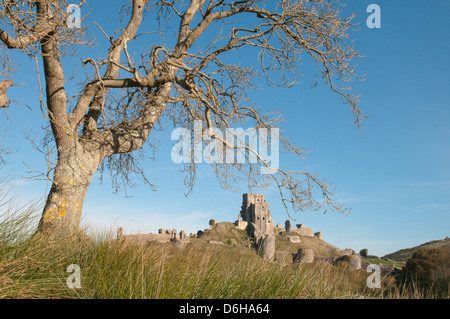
x=255 y=210
x=268 y=247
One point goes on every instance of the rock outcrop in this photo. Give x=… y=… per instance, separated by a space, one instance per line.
x=304 y=255
x=255 y=212
x=294 y=239
x=267 y=249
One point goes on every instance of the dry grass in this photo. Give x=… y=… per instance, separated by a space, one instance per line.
x=32 y=267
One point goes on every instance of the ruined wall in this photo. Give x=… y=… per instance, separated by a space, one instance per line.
x=255 y=210
x=305 y=231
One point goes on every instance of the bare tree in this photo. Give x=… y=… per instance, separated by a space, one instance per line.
x=6 y=70
x=125 y=94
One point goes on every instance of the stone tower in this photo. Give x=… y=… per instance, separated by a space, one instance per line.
x=256 y=210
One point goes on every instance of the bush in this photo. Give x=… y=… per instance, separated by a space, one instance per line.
x=429 y=271
x=212 y=222
x=364 y=252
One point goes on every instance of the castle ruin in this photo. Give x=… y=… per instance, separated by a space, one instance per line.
x=303 y=231
x=255 y=213
x=256 y=218
x=163 y=236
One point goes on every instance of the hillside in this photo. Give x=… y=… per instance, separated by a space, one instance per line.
x=220 y=264
x=320 y=247
x=402 y=255
x=227 y=232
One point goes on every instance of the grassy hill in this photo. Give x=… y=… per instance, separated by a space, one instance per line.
x=320 y=247
x=113 y=269
x=227 y=232
x=402 y=255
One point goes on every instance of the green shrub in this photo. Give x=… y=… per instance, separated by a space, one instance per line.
x=428 y=270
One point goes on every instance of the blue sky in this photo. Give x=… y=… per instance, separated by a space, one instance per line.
x=394 y=175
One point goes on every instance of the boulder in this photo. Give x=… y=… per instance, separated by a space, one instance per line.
x=326 y=259
x=342 y=259
x=214 y=242
x=355 y=262
x=387 y=269
x=304 y=255
x=180 y=243
x=364 y=264
x=293 y=239
x=267 y=250
x=346 y=252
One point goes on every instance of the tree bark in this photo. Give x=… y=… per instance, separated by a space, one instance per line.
x=73 y=174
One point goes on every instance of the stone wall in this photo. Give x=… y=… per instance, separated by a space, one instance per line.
x=255 y=212
x=163 y=236
x=304 y=231
x=240 y=224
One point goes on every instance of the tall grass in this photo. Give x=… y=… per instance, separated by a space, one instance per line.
x=32 y=267
x=202 y=271
x=29 y=267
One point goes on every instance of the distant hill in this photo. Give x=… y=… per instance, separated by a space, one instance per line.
x=403 y=254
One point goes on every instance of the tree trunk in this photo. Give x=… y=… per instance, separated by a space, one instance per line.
x=73 y=174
